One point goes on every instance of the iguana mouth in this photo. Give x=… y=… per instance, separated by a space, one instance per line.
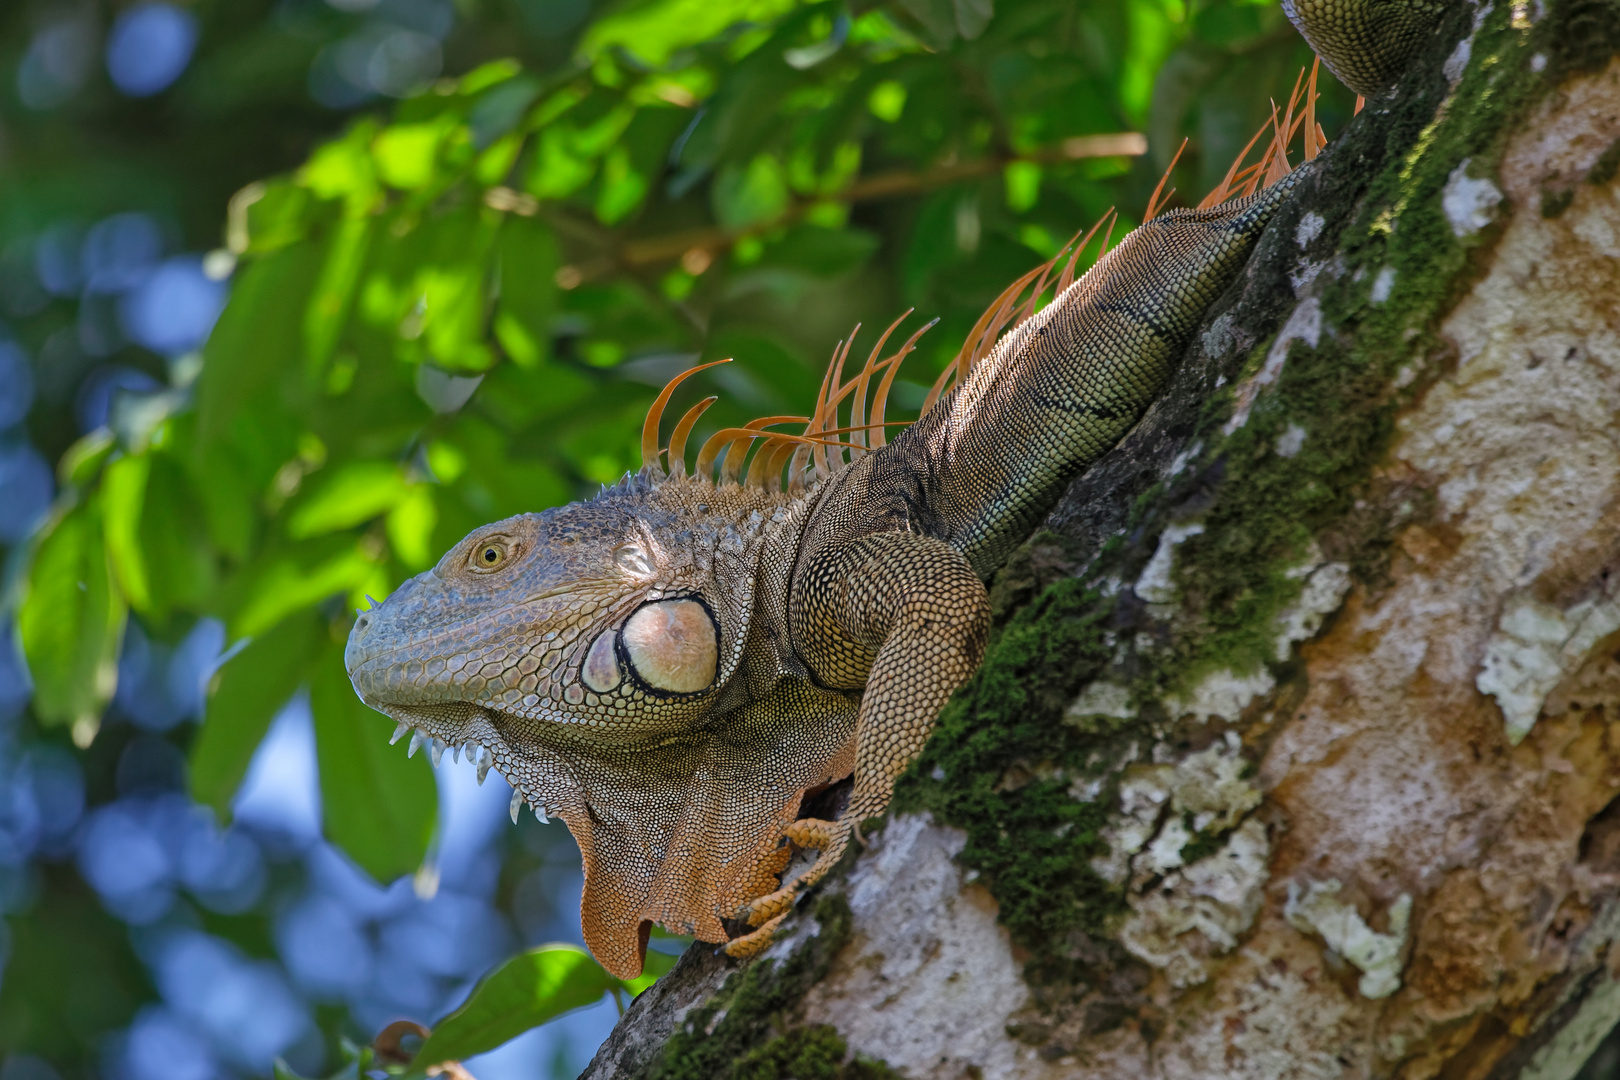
x=475 y=735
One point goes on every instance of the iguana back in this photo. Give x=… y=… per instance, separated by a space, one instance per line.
x=981 y=467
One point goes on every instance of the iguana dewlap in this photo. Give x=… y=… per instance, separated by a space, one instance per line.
x=672 y=666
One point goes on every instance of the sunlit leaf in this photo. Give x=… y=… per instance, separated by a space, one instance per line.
x=71 y=621
x=123 y=492
x=288 y=582
x=246 y=694
x=559 y=170
x=622 y=189
x=405 y=154
x=328 y=307
x=522 y=993
x=344 y=169
x=410 y=528
x=1022 y=180
x=887 y=100
x=490 y=74
x=654 y=31
x=267 y=216
x=347 y=496
x=435 y=288
x=379 y=806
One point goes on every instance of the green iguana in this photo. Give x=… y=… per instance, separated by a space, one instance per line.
x=673 y=666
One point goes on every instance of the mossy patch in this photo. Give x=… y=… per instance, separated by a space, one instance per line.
x=747 y=1030
x=816 y=1052
x=1002 y=764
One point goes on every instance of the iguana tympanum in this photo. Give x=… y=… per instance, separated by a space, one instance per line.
x=672 y=666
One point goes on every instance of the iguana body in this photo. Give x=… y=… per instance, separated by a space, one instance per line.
x=672 y=666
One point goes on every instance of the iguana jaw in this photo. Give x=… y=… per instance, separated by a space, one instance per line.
x=476 y=731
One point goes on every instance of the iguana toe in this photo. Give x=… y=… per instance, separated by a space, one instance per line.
x=812 y=833
x=771 y=906
x=752 y=943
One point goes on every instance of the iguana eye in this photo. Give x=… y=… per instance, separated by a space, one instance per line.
x=673 y=646
x=600 y=671
x=490 y=554
x=631 y=558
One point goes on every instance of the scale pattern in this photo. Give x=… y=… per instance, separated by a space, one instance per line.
x=1366 y=43
x=674 y=666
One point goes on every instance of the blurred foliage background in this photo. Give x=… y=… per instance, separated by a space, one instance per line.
x=293 y=293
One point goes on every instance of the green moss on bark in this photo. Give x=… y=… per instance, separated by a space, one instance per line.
x=1001 y=763
x=747 y=1030
x=1374 y=357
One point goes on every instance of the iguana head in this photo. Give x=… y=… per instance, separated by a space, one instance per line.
x=615 y=616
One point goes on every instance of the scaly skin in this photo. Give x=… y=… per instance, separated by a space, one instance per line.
x=672 y=666
x=1366 y=43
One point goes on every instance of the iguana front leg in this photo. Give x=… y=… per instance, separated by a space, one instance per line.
x=905 y=617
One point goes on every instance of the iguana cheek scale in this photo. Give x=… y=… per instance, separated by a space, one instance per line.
x=672 y=666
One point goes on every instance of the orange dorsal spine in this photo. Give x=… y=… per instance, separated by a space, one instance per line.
x=823 y=446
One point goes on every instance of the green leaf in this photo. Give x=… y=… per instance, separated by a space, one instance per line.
x=123 y=490
x=750 y=195
x=84 y=458
x=72 y=621
x=1022 y=180
x=410 y=528
x=500 y=110
x=821 y=252
x=558 y=169
x=622 y=188
x=653 y=32
x=528 y=300
x=328 y=308
x=180 y=562
x=344 y=169
x=301 y=578
x=267 y=216
x=256 y=344
x=406 y=154
x=247 y=693
x=522 y=993
x=355 y=493
x=379 y=806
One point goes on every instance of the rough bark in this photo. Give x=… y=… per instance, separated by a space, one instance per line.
x=1297 y=748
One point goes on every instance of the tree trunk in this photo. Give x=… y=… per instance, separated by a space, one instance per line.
x=1297 y=747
